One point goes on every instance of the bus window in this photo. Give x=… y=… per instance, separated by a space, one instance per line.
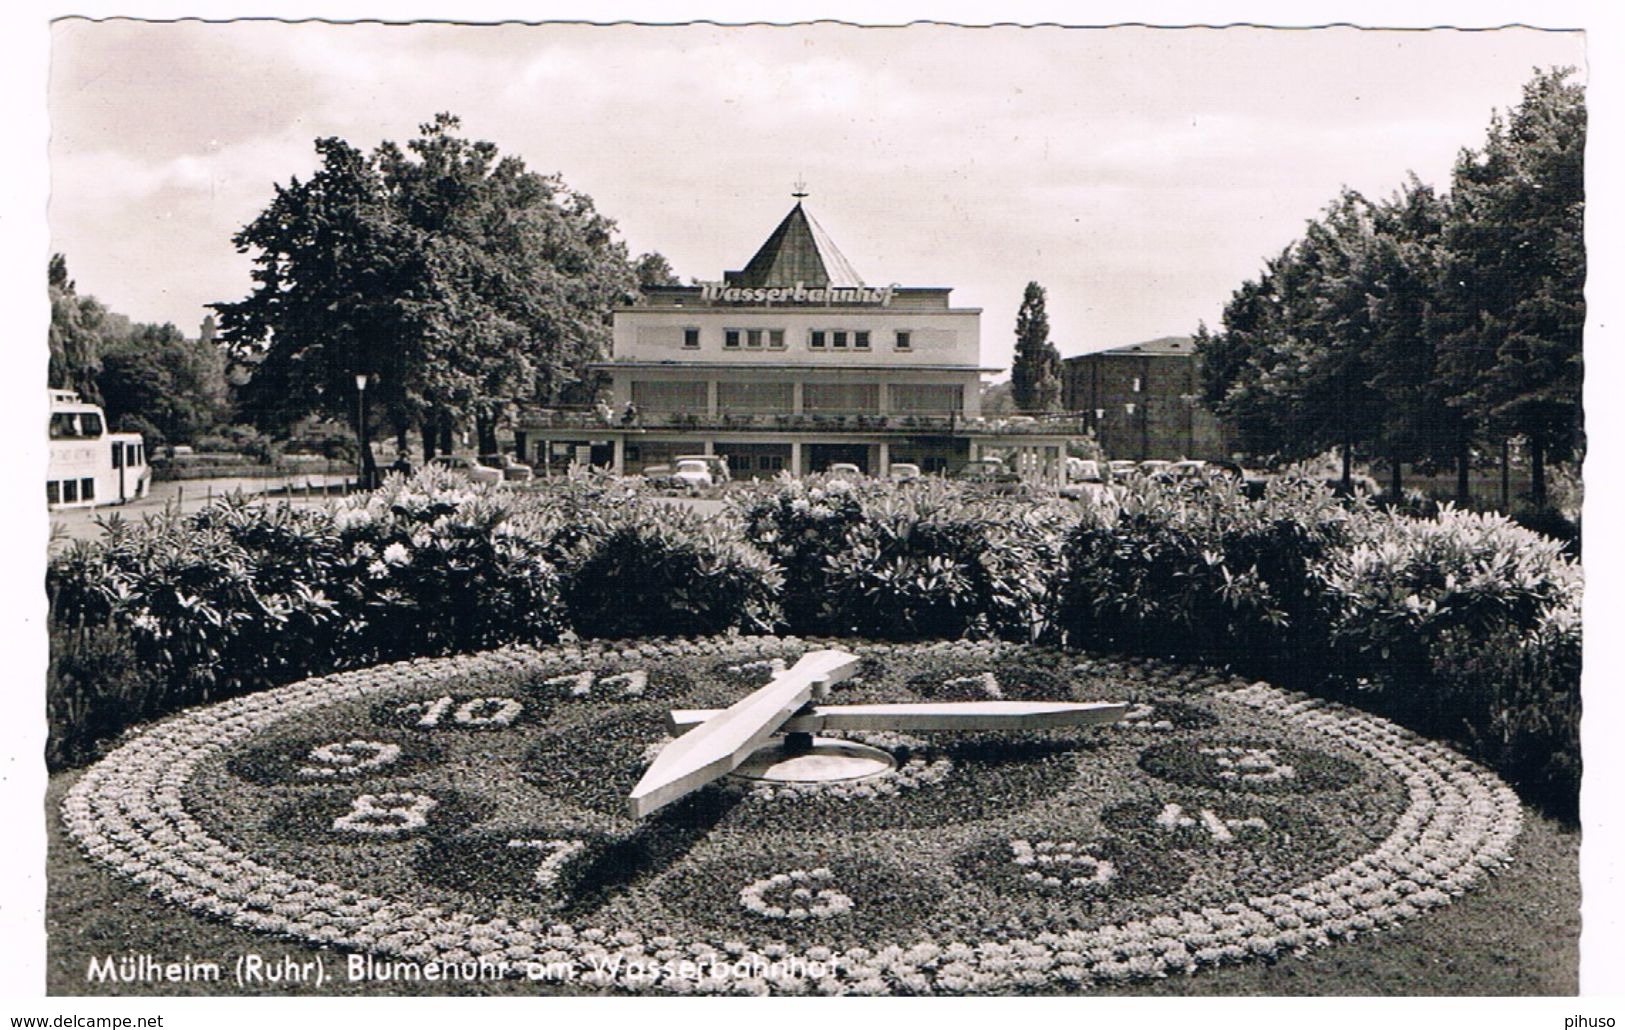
x=118 y=455
x=53 y=492
x=76 y=425
x=132 y=454
x=70 y=491
x=87 y=489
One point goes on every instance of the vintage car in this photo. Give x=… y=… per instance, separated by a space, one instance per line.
x=512 y=468
x=467 y=467
x=990 y=474
x=715 y=464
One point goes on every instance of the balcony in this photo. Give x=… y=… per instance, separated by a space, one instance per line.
x=894 y=424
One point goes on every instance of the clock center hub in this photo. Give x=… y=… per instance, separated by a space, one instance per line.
x=820 y=760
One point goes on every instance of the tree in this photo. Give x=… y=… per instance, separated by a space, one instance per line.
x=1418 y=425
x=1328 y=350
x=463 y=282
x=652 y=269
x=1035 y=376
x=1512 y=279
x=75 y=336
x=174 y=385
x=343 y=287
x=1406 y=329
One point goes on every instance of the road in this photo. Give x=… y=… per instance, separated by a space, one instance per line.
x=189 y=495
x=192 y=494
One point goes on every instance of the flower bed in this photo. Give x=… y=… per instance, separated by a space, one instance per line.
x=1225 y=822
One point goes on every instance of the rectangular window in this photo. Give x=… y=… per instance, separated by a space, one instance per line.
x=860 y=339
x=775 y=339
x=903 y=341
x=755 y=398
x=691 y=339
x=53 y=492
x=753 y=339
x=926 y=398
x=730 y=339
x=118 y=455
x=769 y=463
x=816 y=339
x=87 y=489
x=1136 y=384
x=838 y=339
x=841 y=398
x=132 y=454
x=669 y=396
x=70 y=491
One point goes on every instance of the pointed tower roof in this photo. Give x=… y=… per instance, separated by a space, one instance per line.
x=798 y=251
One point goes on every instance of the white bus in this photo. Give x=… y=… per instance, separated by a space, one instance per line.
x=89 y=465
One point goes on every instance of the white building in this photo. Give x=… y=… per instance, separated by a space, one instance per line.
x=792 y=364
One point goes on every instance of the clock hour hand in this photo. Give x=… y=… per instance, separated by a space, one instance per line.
x=721 y=742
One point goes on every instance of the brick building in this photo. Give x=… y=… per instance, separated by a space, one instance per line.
x=1143 y=401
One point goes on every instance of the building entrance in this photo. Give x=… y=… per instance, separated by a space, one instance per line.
x=755 y=460
x=820 y=456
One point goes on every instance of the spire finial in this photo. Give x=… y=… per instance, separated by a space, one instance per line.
x=800 y=188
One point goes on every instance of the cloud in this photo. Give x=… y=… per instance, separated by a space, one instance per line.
x=1132 y=170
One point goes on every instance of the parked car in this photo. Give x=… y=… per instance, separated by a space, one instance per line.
x=512 y=468
x=844 y=468
x=659 y=477
x=990 y=473
x=1155 y=469
x=693 y=475
x=904 y=472
x=467 y=467
x=715 y=464
x=1121 y=469
x=1085 y=470
x=1086 y=478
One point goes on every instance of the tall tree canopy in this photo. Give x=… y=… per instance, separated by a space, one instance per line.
x=1513 y=275
x=460 y=281
x=1404 y=329
x=75 y=336
x=1035 y=376
x=160 y=379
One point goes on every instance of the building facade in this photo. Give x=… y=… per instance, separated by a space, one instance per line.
x=793 y=364
x=1144 y=401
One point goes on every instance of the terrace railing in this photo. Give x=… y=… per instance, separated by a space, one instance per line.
x=567 y=418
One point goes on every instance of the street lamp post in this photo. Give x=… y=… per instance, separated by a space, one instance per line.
x=361 y=428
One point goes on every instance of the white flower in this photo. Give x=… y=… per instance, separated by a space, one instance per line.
x=397 y=554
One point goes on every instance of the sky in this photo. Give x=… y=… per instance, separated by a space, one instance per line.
x=1139 y=174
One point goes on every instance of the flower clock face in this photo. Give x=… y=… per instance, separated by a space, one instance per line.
x=473 y=810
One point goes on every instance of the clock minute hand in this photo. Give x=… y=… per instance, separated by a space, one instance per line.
x=944 y=715
x=726 y=738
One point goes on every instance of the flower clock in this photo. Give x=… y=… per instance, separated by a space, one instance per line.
x=596 y=814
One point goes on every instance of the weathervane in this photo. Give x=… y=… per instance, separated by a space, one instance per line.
x=712 y=743
x=800 y=190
